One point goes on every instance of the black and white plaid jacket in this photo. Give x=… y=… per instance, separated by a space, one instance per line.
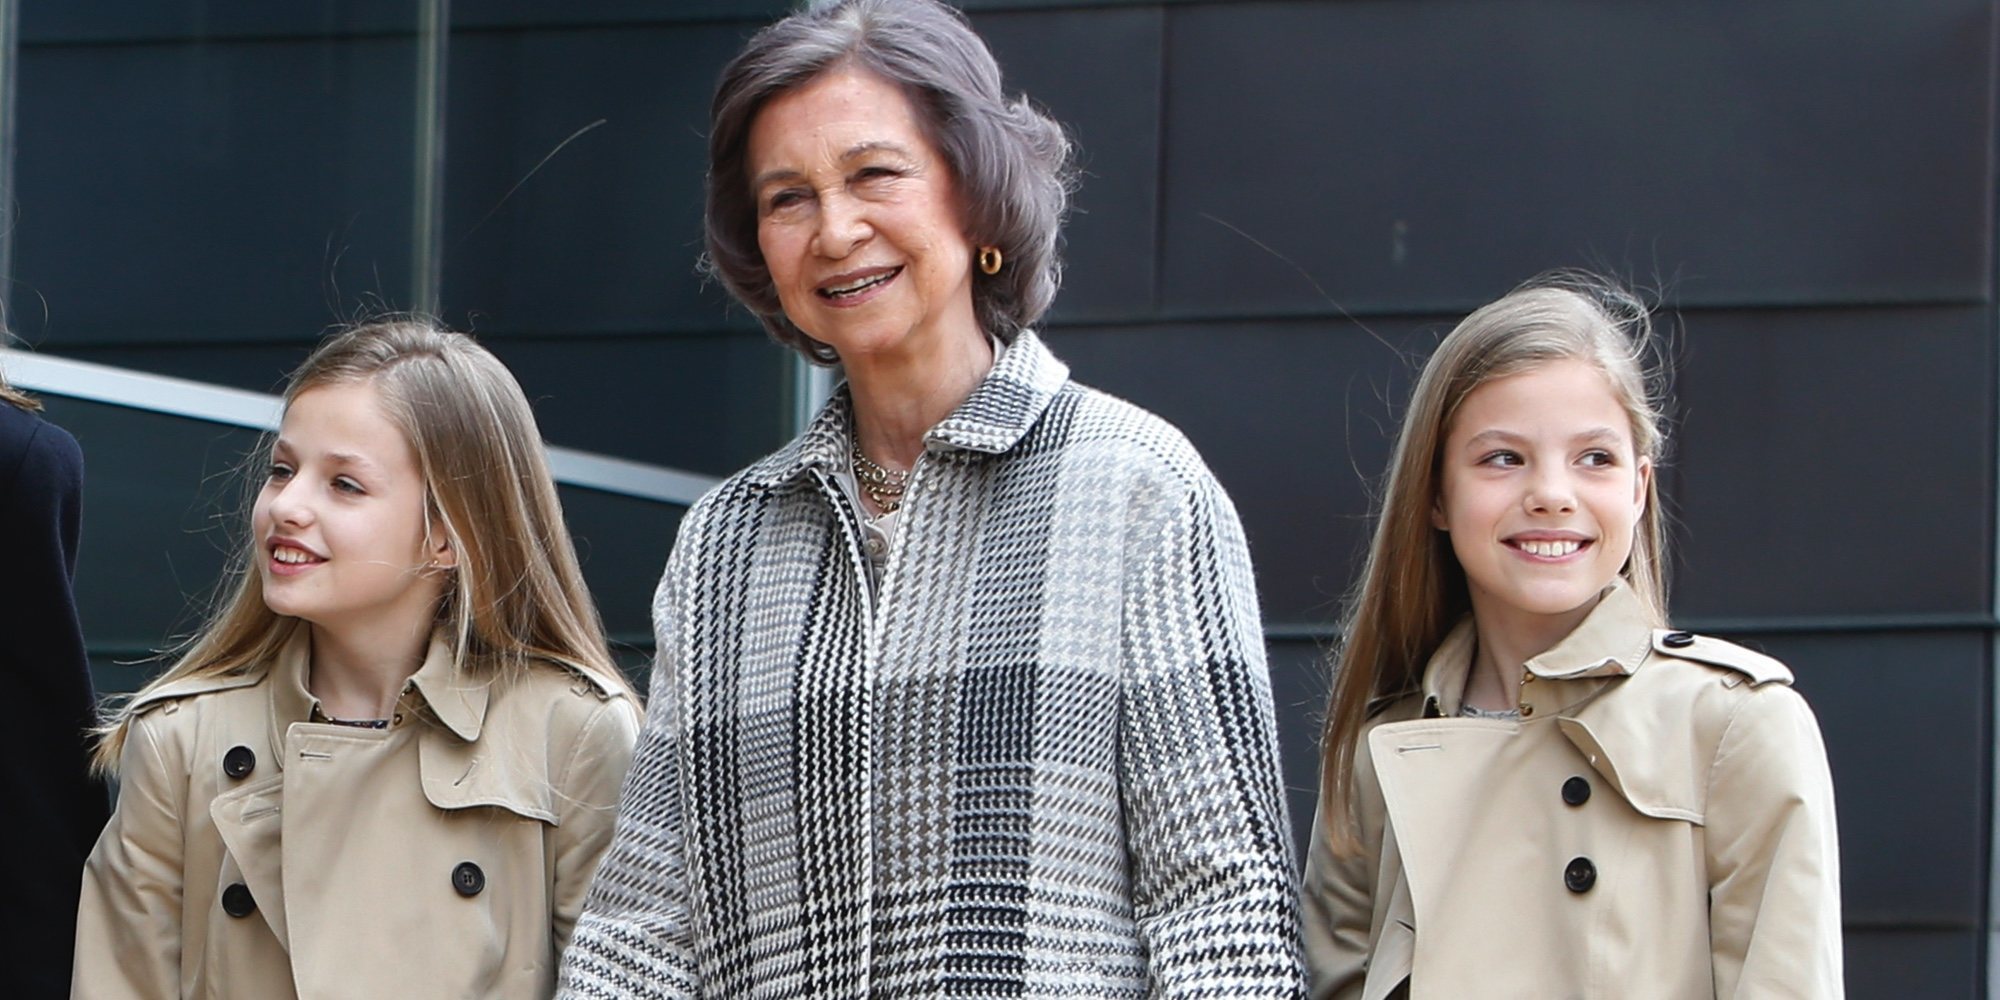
x=1041 y=763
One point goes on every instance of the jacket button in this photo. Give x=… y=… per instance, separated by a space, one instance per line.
x=1580 y=875
x=1677 y=640
x=239 y=762
x=1576 y=791
x=468 y=879
x=237 y=901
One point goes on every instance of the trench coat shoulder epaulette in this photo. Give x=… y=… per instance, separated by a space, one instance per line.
x=1755 y=666
x=188 y=687
x=581 y=681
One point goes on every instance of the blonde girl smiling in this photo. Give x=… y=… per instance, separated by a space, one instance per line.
x=1532 y=785
x=386 y=767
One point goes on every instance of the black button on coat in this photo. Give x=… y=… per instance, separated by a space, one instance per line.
x=468 y=879
x=239 y=762
x=1576 y=791
x=1580 y=875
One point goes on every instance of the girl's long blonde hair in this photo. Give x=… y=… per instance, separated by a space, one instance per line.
x=517 y=594
x=1412 y=590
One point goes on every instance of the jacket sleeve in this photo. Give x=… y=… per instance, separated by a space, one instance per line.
x=1773 y=858
x=598 y=762
x=1210 y=846
x=43 y=745
x=1338 y=906
x=128 y=928
x=635 y=936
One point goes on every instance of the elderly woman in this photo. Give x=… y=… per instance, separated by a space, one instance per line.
x=962 y=692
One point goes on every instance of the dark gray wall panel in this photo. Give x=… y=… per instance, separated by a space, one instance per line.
x=1428 y=156
x=1913 y=963
x=162 y=503
x=605 y=235
x=1300 y=679
x=209 y=20
x=118 y=672
x=1098 y=72
x=218 y=191
x=1904 y=717
x=1294 y=417
x=623 y=545
x=709 y=404
x=1836 y=463
x=541 y=14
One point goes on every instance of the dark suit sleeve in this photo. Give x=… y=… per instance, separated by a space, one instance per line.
x=57 y=809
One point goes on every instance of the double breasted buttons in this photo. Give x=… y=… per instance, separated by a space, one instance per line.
x=468 y=879
x=1677 y=640
x=1580 y=875
x=1527 y=710
x=239 y=762
x=1576 y=791
x=237 y=901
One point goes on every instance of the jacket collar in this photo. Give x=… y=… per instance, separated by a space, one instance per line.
x=1611 y=641
x=999 y=412
x=1618 y=624
x=453 y=699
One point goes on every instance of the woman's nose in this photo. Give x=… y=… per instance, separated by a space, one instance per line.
x=843 y=225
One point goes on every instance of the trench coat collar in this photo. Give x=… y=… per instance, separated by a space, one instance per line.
x=999 y=412
x=1619 y=623
x=456 y=701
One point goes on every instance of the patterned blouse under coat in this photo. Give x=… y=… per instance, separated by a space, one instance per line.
x=1041 y=763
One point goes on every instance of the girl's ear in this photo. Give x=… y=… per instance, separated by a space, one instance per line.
x=443 y=555
x=1640 y=482
x=1437 y=514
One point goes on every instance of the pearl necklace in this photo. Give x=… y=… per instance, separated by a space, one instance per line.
x=884 y=486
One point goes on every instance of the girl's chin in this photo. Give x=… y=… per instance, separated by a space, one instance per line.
x=1545 y=602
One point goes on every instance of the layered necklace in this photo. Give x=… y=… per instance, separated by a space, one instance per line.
x=884 y=486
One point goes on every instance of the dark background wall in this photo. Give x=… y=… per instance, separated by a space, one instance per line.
x=1286 y=203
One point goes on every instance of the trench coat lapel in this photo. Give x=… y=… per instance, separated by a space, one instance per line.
x=1396 y=948
x=1432 y=768
x=250 y=821
x=250 y=817
x=1620 y=737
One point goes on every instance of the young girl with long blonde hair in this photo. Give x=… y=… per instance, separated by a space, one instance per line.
x=387 y=765
x=1532 y=785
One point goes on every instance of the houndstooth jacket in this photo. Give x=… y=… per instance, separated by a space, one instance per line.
x=1041 y=762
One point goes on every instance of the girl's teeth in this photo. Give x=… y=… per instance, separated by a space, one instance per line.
x=1551 y=550
x=291 y=556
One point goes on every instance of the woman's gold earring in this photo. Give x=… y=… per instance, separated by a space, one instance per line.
x=989 y=259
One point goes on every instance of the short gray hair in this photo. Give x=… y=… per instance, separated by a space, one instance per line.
x=1011 y=162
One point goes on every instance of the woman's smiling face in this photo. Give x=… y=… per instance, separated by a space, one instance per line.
x=858 y=218
x=1541 y=489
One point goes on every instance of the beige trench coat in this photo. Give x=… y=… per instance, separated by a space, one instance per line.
x=257 y=855
x=1659 y=824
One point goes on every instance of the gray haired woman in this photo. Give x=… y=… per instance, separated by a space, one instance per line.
x=962 y=692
